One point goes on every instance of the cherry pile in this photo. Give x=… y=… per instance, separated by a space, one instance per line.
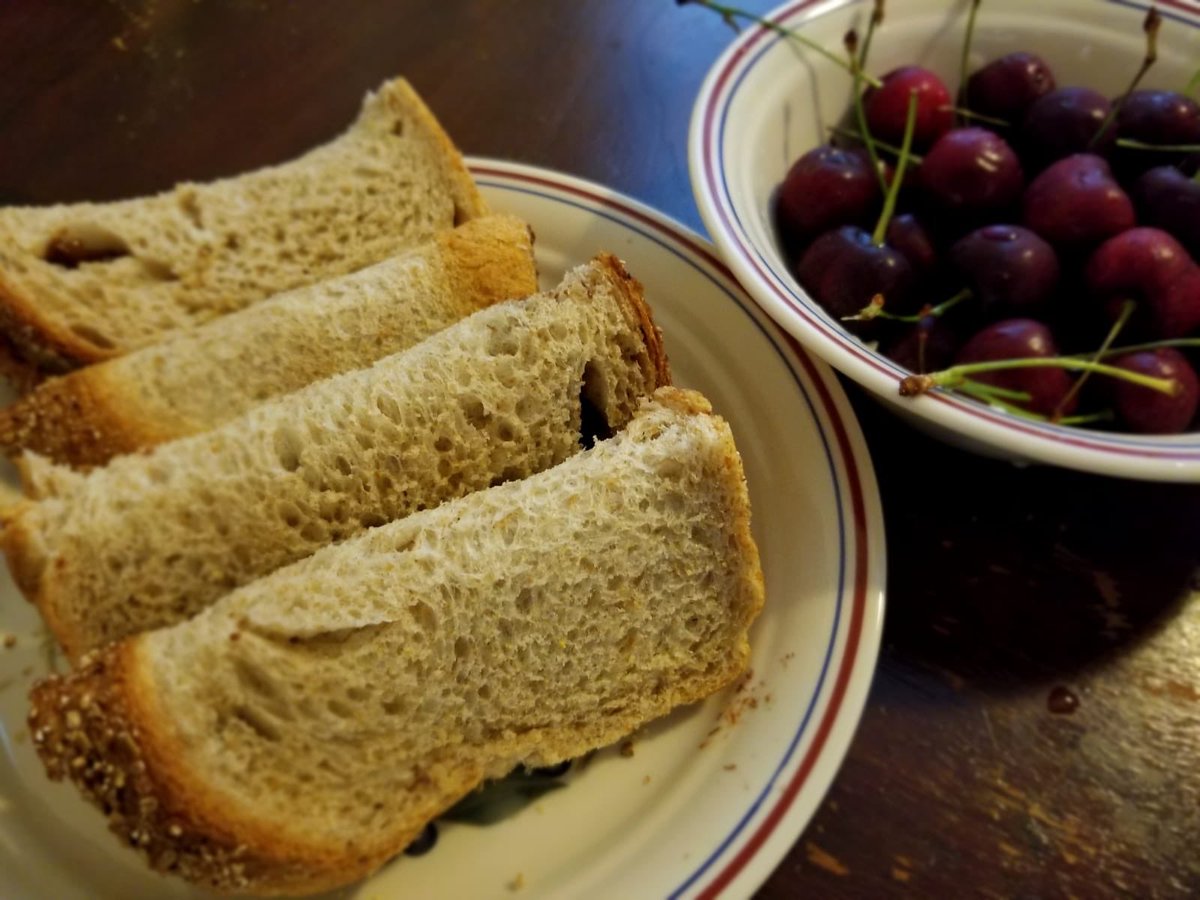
x=1030 y=245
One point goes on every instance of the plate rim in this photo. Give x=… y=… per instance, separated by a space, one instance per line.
x=747 y=860
x=1121 y=455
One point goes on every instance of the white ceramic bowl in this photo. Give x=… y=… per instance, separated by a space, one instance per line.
x=766 y=101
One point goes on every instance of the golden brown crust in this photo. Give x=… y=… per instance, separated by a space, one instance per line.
x=468 y=202
x=99 y=727
x=26 y=559
x=488 y=260
x=633 y=300
x=78 y=419
x=36 y=341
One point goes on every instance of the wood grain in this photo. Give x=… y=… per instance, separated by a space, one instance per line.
x=1004 y=583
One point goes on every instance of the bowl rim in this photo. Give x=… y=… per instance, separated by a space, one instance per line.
x=766 y=279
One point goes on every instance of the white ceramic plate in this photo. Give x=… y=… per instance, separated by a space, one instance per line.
x=765 y=102
x=712 y=797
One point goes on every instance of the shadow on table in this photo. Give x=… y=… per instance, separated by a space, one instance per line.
x=1009 y=575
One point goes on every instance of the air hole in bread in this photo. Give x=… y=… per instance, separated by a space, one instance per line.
x=392 y=707
x=473 y=408
x=287 y=448
x=443 y=444
x=424 y=616
x=388 y=407
x=462 y=648
x=189 y=205
x=593 y=424
x=91 y=335
x=461 y=216
x=257 y=723
x=398 y=128
x=84 y=242
x=524 y=601
x=290 y=514
x=339 y=709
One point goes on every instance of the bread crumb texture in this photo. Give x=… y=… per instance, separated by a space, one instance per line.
x=384 y=678
x=152 y=538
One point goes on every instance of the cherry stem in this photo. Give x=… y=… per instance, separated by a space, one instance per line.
x=889 y=202
x=953 y=376
x=994 y=396
x=1148 y=345
x=913 y=158
x=1151 y=25
x=1127 y=308
x=860 y=113
x=875 y=310
x=731 y=13
x=875 y=22
x=1132 y=144
x=963 y=113
x=1193 y=84
x=968 y=37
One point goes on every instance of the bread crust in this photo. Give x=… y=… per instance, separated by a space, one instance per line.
x=479 y=275
x=79 y=418
x=637 y=310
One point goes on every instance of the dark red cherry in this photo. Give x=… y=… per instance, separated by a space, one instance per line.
x=1019 y=339
x=1149 y=411
x=972 y=172
x=926 y=346
x=1136 y=263
x=1168 y=199
x=906 y=234
x=1008 y=86
x=826 y=187
x=1077 y=202
x=844 y=269
x=1063 y=122
x=1155 y=117
x=1175 y=311
x=1150 y=267
x=887 y=106
x=1008 y=268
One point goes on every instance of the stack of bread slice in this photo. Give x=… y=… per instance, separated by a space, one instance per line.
x=324 y=562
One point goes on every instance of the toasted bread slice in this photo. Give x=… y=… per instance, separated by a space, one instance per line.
x=208 y=375
x=304 y=729
x=153 y=538
x=85 y=282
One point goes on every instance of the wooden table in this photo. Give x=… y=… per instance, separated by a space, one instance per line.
x=1011 y=591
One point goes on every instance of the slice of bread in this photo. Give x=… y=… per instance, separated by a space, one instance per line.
x=213 y=373
x=151 y=539
x=303 y=730
x=84 y=282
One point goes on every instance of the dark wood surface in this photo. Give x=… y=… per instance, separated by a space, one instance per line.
x=1010 y=590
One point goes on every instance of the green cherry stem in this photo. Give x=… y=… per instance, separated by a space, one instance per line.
x=1127 y=308
x=968 y=37
x=875 y=22
x=1193 y=84
x=952 y=377
x=875 y=310
x=1148 y=345
x=730 y=13
x=1151 y=25
x=963 y=113
x=1131 y=144
x=913 y=158
x=893 y=191
x=860 y=113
